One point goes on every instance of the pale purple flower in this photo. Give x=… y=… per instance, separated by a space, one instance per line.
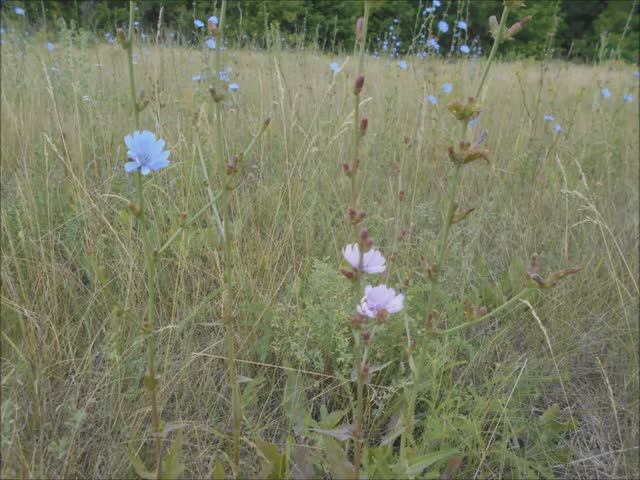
x=50 y=46
x=372 y=261
x=380 y=302
x=213 y=20
x=19 y=10
x=234 y=87
x=628 y=98
x=211 y=43
x=403 y=64
x=462 y=25
x=146 y=153
x=447 y=88
x=432 y=99
x=548 y=118
x=465 y=49
x=443 y=26
x=606 y=93
x=433 y=44
x=198 y=23
x=557 y=128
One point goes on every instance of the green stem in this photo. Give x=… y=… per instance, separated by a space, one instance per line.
x=496 y=43
x=181 y=228
x=484 y=318
x=227 y=306
x=360 y=350
x=150 y=264
x=444 y=240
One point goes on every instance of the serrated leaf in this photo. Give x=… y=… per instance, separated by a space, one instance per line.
x=139 y=467
x=418 y=464
x=274 y=464
x=338 y=463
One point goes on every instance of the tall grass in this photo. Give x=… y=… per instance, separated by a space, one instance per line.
x=560 y=372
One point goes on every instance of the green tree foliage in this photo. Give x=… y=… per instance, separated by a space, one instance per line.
x=578 y=27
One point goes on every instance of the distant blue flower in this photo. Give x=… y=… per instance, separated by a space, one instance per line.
x=50 y=46
x=135 y=57
x=428 y=10
x=55 y=68
x=628 y=98
x=198 y=23
x=465 y=49
x=548 y=118
x=462 y=25
x=213 y=20
x=403 y=64
x=334 y=67
x=436 y=3
x=211 y=43
x=637 y=74
x=136 y=23
x=146 y=153
x=443 y=26
x=432 y=99
x=110 y=38
x=234 y=87
x=19 y=10
x=224 y=76
x=196 y=78
x=447 y=88
x=474 y=121
x=557 y=128
x=606 y=93
x=433 y=44
x=1 y=30
x=396 y=20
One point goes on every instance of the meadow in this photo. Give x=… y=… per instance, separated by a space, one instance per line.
x=546 y=387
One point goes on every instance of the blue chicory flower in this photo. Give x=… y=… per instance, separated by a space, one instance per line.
x=198 y=23
x=211 y=43
x=432 y=99
x=548 y=118
x=606 y=93
x=50 y=46
x=443 y=26
x=465 y=49
x=146 y=153
x=462 y=25
x=557 y=128
x=334 y=67
x=403 y=64
x=447 y=88
x=234 y=87
x=19 y=10
x=628 y=98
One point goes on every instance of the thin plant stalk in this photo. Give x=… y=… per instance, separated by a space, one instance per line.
x=151 y=381
x=227 y=305
x=360 y=349
x=444 y=243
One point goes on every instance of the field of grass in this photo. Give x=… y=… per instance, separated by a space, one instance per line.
x=545 y=388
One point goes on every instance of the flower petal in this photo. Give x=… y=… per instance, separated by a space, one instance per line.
x=131 y=166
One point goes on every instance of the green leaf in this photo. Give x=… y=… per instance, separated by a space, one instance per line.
x=139 y=467
x=274 y=465
x=418 y=464
x=218 y=472
x=172 y=466
x=338 y=463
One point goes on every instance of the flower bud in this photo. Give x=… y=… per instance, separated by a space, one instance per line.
x=402 y=195
x=266 y=122
x=350 y=275
x=364 y=123
x=135 y=209
x=403 y=233
x=232 y=165
x=516 y=27
x=217 y=97
x=364 y=234
x=358 y=85
x=368 y=243
x=182 y=218
x=359 y=29
x=366 y=338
